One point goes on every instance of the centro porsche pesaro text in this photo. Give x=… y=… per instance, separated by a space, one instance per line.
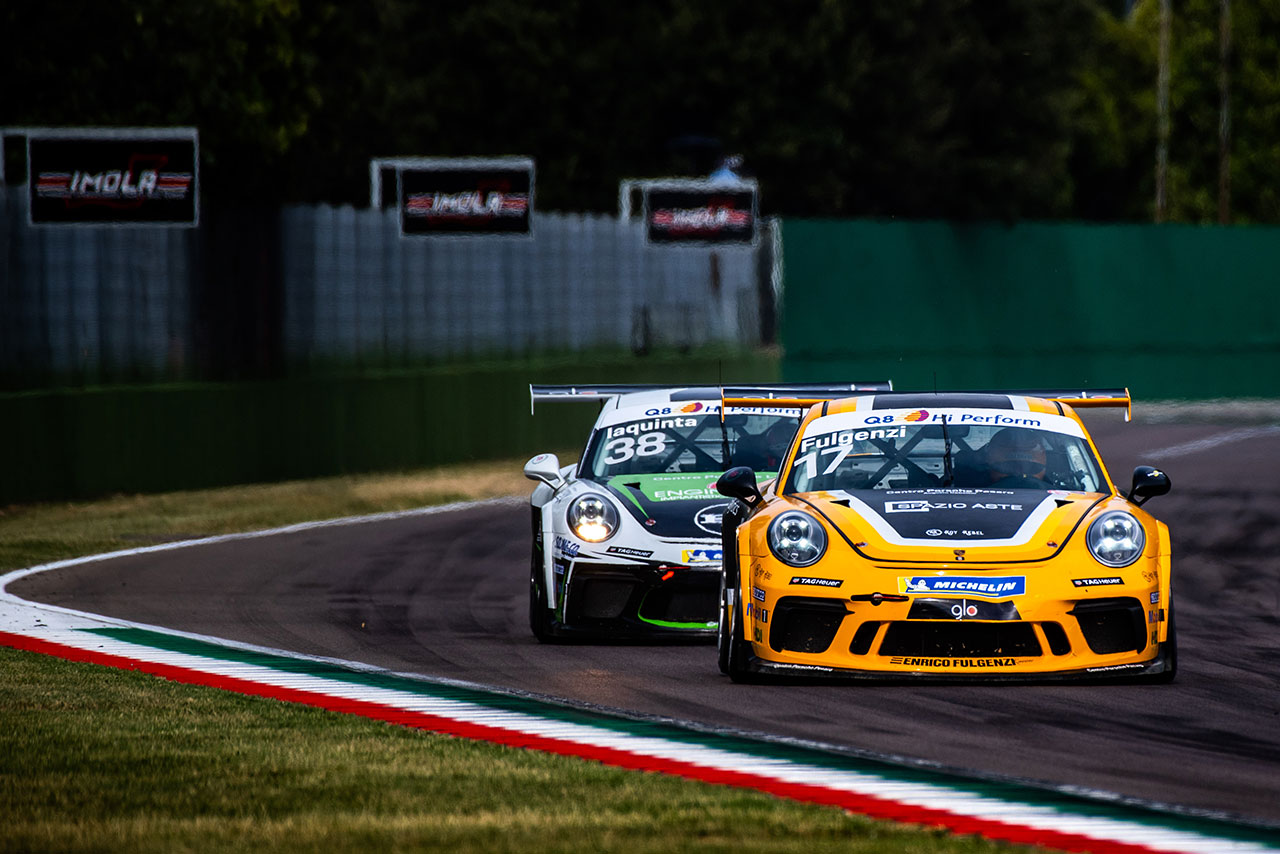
x=942 y=535
x=626 y=542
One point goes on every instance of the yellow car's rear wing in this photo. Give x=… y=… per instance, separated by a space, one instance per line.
x=602 y=392
x=1079 y=398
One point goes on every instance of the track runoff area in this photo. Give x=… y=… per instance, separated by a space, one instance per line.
x=877 y=787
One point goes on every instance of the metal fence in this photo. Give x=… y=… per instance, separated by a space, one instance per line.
x=305 y=288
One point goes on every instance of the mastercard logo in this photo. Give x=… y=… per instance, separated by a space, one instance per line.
x=692 y=407
x=918 y=415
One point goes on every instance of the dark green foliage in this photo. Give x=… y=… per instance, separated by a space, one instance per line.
x=961 y=109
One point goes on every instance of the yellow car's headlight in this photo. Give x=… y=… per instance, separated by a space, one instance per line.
x=797 y=539
x=1116 y=539
x=593 y=517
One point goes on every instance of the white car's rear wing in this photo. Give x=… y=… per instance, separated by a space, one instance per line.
x=602 y=392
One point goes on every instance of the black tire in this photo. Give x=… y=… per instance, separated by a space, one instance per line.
x=539 y=613
x=1170 y=653
x=728 y=578
x=737 y=649
x=722 y=631
x=731 y=645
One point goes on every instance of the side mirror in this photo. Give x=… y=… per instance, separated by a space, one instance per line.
x=1148 y=482
x=740 y=482
x=546 y=468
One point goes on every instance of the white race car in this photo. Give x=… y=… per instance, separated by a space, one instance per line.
x=626 y=542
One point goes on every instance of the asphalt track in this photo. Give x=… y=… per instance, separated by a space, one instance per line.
x=446 y=595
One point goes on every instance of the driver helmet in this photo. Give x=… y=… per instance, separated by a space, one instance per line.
x=1014 y=452
x=777 y=440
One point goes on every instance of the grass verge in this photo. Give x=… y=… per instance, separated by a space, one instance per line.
x=94 y=759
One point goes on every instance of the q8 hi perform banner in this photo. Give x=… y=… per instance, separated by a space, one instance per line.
x=700 y=212
x=104 y=176
x=466 y=196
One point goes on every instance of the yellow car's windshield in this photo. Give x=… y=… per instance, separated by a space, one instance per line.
x=836 y=456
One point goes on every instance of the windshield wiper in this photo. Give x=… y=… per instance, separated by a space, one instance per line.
x=948 y=475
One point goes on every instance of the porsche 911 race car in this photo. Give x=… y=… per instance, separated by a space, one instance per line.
x=944 y=535
x=626 y=542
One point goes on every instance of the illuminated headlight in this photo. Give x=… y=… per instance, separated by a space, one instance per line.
x=797 y=539
x=593 y=517
x=1116 y=538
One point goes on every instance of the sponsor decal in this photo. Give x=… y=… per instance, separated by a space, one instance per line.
x=949 y=491
x=950 y=532
x=762 y=614
x=693 y=407
x=757 y=594
x=809 y=581
x=759 y=635
x=921 y=506
x=957 y=663
x=695 y=494
x=1155 y=598
x=1114 y=667
x=848 y=437
x=710 y=518
x=629 y=552
x=758 y=571
x=965 y=418
x=1096 y=582
x=989 y=588
x=701 y=555
x=1153 y=617
x=961 y=609
x=635 y=428
x=567 y=547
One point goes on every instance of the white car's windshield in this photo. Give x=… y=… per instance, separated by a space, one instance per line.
x=692 y=443
x=900 y=455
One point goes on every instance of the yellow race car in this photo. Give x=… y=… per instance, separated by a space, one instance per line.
x=945 y=535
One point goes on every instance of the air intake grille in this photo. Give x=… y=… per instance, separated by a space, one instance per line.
x=802 y=624
x=960 y=639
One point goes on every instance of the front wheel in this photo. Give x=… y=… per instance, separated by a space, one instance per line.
x=539 y=613
x=733 y=649
x=723 y=638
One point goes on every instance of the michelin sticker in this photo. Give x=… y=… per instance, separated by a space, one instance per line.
x=991 y=588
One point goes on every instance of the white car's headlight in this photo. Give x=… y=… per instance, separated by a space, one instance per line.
x=797 y=539
x=1116 y=538
x=593 y=517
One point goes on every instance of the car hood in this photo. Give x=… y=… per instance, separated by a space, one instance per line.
x=939 y=524
x=676 y=506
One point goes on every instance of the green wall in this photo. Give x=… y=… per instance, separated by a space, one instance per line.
x=89 y=442
x=1168 y=311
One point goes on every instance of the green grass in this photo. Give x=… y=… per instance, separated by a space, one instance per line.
x=95 y=759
